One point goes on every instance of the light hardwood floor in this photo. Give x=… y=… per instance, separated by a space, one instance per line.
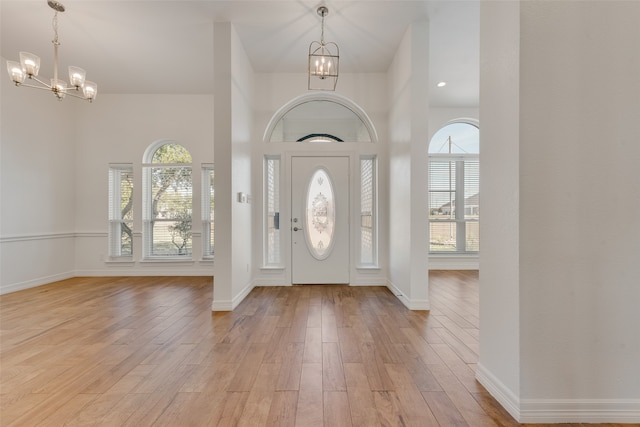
x=148 y=351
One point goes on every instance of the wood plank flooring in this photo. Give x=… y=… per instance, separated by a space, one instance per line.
x=148 y=351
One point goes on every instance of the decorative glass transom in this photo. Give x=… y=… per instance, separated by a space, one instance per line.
x=320 y=214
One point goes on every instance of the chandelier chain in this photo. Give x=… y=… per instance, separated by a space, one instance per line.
x=55 y=28
x=56 y=43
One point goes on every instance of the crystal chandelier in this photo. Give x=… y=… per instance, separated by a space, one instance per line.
x=323 y=60
x=29 y=66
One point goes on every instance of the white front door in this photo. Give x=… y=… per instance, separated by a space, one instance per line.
x=319 y=220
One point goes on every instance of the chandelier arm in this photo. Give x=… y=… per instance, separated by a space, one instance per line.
x=78 y=96
x=36 y=87
x=47 y=85
x=67 y=93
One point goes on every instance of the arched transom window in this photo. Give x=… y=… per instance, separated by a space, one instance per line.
x=320 y=120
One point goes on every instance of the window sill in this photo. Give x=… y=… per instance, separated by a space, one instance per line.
x=119 y=260
x=272 y=268
x=167 y=260
x=368 y=267
x=453 y=254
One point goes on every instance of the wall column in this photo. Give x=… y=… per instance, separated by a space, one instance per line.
x=223 y=158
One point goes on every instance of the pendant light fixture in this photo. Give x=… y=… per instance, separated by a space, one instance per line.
x=323 y=60
x=29 y=66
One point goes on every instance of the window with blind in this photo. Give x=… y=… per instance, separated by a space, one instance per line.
x=368 y=185
x=207 y=211
x=120 y=210
x=272 y=257
x=454 y=190
x=167 y=203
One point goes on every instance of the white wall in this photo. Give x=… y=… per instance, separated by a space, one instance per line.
x=233 y=117
x=580 y=204
x=408 y=139
x=499 y=364
x=560 y=101
x=242 y=125
x=37 y=187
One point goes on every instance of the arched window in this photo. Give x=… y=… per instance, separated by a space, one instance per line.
x=454 y=192
x=320 y=118
x=167 y=201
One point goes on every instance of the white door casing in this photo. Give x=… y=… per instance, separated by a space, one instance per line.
x=320 y=219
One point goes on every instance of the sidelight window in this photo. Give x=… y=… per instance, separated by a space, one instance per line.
x=272 y=212
x=368 y=211
x=207 y=211
x=121 y=210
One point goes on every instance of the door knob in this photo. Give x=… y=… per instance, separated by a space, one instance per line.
x=296 y=229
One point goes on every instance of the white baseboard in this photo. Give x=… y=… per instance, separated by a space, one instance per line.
x=552 y=411
x=505 y=396
x=449 y=262
x=369 y=281
x=411 y=304
x=230 y=305
x=419 y=304
x=118 y=271
x=267 y=281
x=33 y=283
x=580 y=411
x=225 y=305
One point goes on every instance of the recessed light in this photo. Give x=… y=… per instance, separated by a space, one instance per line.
x=442 y=84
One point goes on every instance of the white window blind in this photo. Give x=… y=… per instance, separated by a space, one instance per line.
x=207 y=211
x=454 y=207
x=272 y=255
x=368 y=249
x=120 y=210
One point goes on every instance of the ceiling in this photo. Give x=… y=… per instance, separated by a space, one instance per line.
x=163 y=46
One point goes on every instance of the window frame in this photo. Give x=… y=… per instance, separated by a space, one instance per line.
x=116 y=219
x=373 y=214
x=272 y=215
x=460 y=220
x=147 y=206
x=208 y=214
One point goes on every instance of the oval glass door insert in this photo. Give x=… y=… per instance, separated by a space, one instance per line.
x=320 y=214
